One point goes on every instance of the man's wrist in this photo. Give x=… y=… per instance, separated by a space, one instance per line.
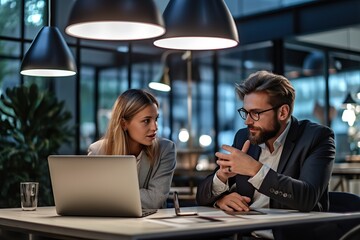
x=221 y=177
x=257 y=169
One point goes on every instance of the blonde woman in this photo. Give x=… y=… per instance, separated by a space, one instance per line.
x=132 y=131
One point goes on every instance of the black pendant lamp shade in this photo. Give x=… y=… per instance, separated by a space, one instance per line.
x=198 y=25
x=48 y=55
x=348 y=100
x=115 y=20
x=163 y=84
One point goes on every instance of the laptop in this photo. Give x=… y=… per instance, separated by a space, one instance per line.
x=96 y=185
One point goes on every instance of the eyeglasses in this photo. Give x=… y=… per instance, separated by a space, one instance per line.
x=255 y=115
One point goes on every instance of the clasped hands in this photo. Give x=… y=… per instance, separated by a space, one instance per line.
x=232 y=163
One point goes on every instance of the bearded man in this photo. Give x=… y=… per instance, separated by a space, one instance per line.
x=276 y=162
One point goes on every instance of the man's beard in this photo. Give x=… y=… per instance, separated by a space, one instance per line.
x=264 y=135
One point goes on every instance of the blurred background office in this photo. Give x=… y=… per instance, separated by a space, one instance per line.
x=316 y=44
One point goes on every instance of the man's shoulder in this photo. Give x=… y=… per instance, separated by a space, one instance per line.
x=306 y=128
x=308 y=125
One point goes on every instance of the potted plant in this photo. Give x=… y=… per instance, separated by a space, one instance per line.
x=33 y=125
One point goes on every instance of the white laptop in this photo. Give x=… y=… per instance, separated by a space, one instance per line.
x=96 y=185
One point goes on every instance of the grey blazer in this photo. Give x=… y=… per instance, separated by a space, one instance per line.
x=154 y=182
x=302 y=178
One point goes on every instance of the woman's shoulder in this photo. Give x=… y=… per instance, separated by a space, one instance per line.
x=166 y=145
x=167 y=152
x=163 y=142
x=95 y=147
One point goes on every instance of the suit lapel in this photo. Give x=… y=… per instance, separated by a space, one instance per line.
x=254 y=151
x=144 y=171
x=289 y=145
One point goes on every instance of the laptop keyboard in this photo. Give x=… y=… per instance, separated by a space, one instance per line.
x=147 y=212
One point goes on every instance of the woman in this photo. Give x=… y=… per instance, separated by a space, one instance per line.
x=132 y=131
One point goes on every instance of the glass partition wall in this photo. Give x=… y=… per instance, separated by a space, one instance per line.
x=214 y=101
x=323 y=77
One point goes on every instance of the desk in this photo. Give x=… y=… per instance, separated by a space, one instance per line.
x=45 y=221
x=345 y=171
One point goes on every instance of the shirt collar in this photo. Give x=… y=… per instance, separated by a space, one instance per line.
x=138 y=158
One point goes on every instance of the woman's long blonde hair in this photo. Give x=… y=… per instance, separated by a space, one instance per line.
x=127 y=105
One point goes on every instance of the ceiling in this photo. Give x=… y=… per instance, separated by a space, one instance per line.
x=345 y=38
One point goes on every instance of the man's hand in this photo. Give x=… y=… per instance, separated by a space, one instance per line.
x=225 y=171
x=223 y=174
x=234 y=202
x=237 y=162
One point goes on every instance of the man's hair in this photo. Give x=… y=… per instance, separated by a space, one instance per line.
x=278 y=88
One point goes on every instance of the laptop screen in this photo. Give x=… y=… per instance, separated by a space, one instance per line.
x=95 y=185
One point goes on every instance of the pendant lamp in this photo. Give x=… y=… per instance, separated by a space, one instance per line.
x=48 y=55
x=198 y=25
x=115 y=20
x=348 y=114
x=348 y=100
x=163 y=84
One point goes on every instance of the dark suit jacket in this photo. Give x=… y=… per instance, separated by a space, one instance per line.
x=302 y=178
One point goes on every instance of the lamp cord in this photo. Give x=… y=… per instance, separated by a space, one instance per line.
x=188 y=57
x=49 y=13
x=165 y=55
x=348 y=82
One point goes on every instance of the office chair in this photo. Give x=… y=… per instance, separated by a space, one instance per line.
x=341 y=202
x=353 y=234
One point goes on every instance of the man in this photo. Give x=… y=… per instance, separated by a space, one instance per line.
x=277 y=161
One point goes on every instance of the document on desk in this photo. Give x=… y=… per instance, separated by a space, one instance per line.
x=185 y=221
x=269 y=213
x=263 y=213
x=221 y=216
x=227 y=216
x=213 y=216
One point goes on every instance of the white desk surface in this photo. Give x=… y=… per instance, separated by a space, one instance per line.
x=45 y=221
